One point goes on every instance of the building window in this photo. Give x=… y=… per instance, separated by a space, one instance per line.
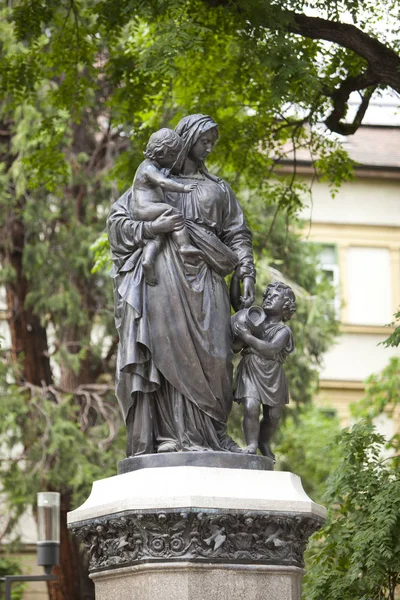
x=369 y=286
x=328 y=258
x=3 y=299
x=5 y=340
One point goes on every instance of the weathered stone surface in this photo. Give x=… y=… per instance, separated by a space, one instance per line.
x=199 y=582
x=217 y=536
x=184 y=488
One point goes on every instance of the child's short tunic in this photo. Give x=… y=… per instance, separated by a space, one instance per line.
x=263 y=378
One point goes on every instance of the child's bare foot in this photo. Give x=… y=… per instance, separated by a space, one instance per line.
x=149 y=273
x=250 y=449
x=188 y=250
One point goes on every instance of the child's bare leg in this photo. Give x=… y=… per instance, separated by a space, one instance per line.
x=150 y=252
x=268 y=426
x=251 y=424
x=182 y=239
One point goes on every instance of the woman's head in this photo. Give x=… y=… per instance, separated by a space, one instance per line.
x=198 y=133
x=203 y=146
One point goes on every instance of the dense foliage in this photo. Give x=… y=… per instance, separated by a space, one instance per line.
x=394 y=337
x=357 y=553
x=9 y=566
x=303 y=438
x=66 y=446
x=382 y=398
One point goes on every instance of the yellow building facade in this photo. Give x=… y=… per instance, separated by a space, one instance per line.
x=359 y=234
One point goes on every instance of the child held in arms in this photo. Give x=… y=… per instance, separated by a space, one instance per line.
x=261 y=380
x=149 y=183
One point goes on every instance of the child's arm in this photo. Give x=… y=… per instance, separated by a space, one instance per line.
x=157 y=178
x=267 y=349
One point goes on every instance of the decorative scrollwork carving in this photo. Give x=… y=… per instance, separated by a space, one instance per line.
x=264 y=538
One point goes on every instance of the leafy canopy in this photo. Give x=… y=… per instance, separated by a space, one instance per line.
x=148 y=64
x=357 y=553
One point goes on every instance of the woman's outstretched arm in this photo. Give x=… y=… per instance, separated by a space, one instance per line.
x=238 y=237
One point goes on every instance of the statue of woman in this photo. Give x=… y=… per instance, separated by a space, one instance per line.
x=174 y=364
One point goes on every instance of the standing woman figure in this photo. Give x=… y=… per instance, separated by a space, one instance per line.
x=174 y=365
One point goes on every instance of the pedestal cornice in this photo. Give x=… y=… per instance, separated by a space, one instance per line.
x=261 y=537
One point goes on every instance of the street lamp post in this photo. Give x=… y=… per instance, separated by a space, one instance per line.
x=48 y=544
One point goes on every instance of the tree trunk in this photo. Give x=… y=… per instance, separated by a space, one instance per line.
x=74 y=583
x=29 y=347
x=28 y=336
x=68 y=584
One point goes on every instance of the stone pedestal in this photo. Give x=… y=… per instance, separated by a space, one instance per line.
x=197 y=533
x=191 y=581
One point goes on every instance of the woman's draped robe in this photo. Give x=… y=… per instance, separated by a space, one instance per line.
x=174 y=365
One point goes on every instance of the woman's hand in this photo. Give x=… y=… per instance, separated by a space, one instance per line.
x=167 y=222
x=249 y=292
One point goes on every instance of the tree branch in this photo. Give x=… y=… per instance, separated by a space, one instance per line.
x=340 y=99
x=348 y=36
x=383 y=63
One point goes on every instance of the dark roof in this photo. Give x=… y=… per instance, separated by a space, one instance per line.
x=374 y=146
x=371 y=146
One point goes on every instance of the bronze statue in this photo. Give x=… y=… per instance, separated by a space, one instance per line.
x=174 y=365
x=265 y=342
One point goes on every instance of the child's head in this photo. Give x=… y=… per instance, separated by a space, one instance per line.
x=279 y=297
x=164 y=146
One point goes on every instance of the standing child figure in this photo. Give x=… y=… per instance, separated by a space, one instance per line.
x=149 y=183
x=261 y=379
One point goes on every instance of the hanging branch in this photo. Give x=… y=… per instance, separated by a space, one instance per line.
x=383 y=63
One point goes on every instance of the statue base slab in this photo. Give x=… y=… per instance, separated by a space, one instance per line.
x=220 y=460
x=190 y=533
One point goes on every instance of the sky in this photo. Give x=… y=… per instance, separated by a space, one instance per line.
x=384 y=109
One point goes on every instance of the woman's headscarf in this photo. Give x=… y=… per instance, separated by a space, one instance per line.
x=189 y=129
